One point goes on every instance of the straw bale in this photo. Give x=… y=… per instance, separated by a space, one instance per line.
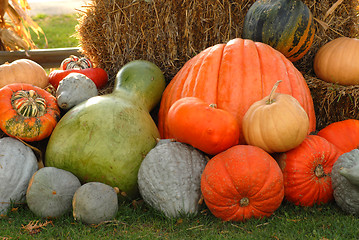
x=333 y=102
x=169 y=33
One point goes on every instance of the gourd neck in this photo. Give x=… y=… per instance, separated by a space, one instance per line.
x=141 y=81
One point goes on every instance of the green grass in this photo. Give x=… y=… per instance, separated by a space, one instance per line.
x=59 y=31
x=288 y=222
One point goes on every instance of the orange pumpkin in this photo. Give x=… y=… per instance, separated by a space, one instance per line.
x=203 y=126
x=343 y=134
x=23 y=71
x=27 y=112
x=242 y=182
x=337 y=61
x=306 y=171
x=277 y=123
x=234 y=76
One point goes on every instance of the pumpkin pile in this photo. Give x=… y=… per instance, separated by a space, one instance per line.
x=235 y=128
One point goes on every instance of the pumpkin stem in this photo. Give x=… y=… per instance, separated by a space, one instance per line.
x=213 y=105
x=271 y=95
x=319 y=171
x=244 y=202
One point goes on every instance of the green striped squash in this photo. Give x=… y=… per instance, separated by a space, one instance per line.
x=286 y=25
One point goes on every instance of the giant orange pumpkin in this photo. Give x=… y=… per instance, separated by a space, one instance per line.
x=234 y=76
x=242 y=182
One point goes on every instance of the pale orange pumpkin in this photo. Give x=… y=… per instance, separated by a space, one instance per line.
x=337 y=61
x=277 y=123
x=23 y=71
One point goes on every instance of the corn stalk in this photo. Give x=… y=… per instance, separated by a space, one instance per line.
x=15 y=28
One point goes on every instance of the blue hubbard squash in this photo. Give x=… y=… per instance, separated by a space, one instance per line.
x=286 y=25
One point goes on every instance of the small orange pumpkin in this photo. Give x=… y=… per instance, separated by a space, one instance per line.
x=23 y=71
x=337 y=61
x=27 y=112
x=306 y=171
x=204 y=126
x=242 y=182
x=277 y=123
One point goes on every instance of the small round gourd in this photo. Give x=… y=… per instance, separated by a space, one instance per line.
x=345 y=182
x=169 y=178
x=74 y=89
x=50 y=192
x=95 y=202
x=17 y=164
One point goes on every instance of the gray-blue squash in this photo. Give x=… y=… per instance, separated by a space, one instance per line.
x=345 y=181
x=169 y=178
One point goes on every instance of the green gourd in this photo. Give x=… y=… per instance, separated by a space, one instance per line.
x=345 y=181
x=105 y=138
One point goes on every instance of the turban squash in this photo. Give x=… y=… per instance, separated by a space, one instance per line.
x=234 y=76
x=27 y=112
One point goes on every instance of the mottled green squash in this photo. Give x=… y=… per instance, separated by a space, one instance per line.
x=105 y=138
x=286 y=25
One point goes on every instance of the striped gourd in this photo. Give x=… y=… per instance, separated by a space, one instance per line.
x=286 y=25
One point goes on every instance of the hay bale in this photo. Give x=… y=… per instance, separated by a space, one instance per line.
x=332 y=102
x=169 y=33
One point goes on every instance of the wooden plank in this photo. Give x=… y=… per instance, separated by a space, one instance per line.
x=47 y=58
